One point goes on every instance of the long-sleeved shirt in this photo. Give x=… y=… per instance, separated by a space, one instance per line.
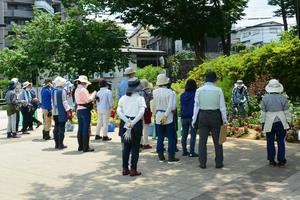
x=274 y=108
x=209 y=97
x=122 y=88
x=105 y=99
x=25 y=97
x=187 y=104
x=55 y=101
x=163 y=104
x=240 y=95
x=46 y=98
x=82 y=96
x=131 y=106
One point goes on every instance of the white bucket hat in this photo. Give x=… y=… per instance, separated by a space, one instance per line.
x=59 y=81
x=128 y=71
x=274 y=86
x=84 y=79
x=162 y=79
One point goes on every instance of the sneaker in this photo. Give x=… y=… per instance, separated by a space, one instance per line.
x=98 y=137
x=172 y=159
x=106 y=138
x=193 y=155
x=185 y=153
x=14 y=135
x=161 y=157
x=272 y=163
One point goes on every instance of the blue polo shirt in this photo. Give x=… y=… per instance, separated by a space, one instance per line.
x=46 y=98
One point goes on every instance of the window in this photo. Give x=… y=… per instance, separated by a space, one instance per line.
x=19 y=6
x=144 y=43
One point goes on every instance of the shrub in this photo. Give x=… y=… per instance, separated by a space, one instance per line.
x=150 y=73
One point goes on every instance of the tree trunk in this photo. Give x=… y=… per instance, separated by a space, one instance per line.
x=284 y=15
x=199 y=47
x=226 y=42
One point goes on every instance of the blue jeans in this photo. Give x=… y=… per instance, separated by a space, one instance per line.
x=163 y=131
x=84 y=121
x=278 y=130
x=236 y=106
x=186 y=126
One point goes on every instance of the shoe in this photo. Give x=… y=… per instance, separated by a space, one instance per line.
x=273 y=163
x=133 y=172
x=80 y=149
x=39 y=124
x=125 y=172
x=281 y=164
x=105 y=138
x=172 y=159
x=193 y=155
x=62 y=147
x=185 y=153
x=25 y=133
x=176 y=150
x=219 y=166
x=14 y=135
x=47 y=135
x=161 y=157
x=98 y=137
x=30 y=129
x=147 y=146
x=9 y=135
x=89 y=150
x=202 y=166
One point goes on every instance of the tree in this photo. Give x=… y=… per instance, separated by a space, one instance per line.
x=286 y=10
x=72 y=46
x=188 y=20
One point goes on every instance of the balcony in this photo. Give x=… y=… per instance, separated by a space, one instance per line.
x=44 y=5
x=18 y=13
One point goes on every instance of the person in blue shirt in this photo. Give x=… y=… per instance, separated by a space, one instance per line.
x=187 y=108
x=35 y=106
x=239 y=97
x=47 y=108
x=128 y=73
x=26 y=108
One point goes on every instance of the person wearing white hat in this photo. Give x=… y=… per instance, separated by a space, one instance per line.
x=84 y=101
x=163 y=105
x=60 y=111
x=239 y=97
x=26 y=108
x=17 y=90
x=275 y=118
x=129 y=72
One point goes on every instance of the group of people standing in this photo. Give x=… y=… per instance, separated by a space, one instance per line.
x=202 y=109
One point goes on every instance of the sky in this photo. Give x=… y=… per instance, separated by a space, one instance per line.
x=258 y=11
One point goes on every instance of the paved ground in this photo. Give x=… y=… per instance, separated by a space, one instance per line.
x=31 y=169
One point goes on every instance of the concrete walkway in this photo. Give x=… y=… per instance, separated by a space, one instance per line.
x=31 y=168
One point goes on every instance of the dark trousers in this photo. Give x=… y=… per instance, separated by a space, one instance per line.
x=235 y=107
x=186 y=127
x=84 y=122
x=280 y=133
x=26 y=118
x=210 y=121
x=17 y=121
x=163 y=131
x=59 y=132
x=33 y=119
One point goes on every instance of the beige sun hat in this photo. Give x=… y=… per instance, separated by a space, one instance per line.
x=83 y=79
x=274 y=86
x=26 y=84
x=59 y=81
x=129 y=70
x=162 y=79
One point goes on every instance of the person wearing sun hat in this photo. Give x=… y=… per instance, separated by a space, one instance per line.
x=84 y=101
x=163 y=105
x=210 y=104
x=26 y=108
x=131 y=109
x=129 y=73
x=60 y=110
x=275 y=118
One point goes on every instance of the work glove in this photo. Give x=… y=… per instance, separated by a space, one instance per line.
x=163 y=120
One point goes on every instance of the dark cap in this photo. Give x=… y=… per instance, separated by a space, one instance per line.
x=48 y=80
x=211 y=77
x=134 y=84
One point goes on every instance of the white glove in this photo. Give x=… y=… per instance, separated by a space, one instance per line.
x=127 y=134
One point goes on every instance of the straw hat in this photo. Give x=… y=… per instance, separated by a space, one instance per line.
x=128 y=71
x=274 y=86
x=84 y=79
x=26 y=85
x=162 y=79
x=59 y=81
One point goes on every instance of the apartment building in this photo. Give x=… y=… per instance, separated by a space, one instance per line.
x=20 y=11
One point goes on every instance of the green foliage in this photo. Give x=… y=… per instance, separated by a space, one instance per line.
x=149 y=73
x=71 y=46
x=4 y=84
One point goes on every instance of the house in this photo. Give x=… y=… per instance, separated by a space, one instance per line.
x=139 y=38
x=257 y=34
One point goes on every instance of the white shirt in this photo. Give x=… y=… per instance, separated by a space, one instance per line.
x=131 y=106
x=209 y=97
x=163 y=104
x=105 y=99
